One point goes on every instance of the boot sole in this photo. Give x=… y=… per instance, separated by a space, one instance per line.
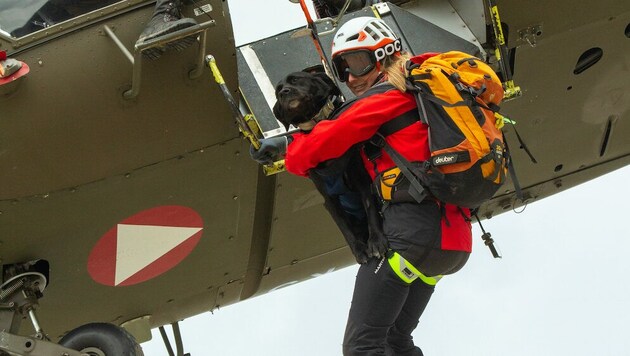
x=178 y=45
x=153 y=53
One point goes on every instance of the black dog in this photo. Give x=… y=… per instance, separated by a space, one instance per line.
x=302 y=95
x=303 y=100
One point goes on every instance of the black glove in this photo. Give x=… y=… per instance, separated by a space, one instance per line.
x=270 y=149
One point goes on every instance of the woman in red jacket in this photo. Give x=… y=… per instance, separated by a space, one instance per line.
x=426 y=239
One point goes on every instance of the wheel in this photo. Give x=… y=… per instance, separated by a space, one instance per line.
x=101 y=339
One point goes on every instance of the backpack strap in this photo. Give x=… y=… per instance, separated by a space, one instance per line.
x=373 y=147
x=376 y=89
x=510 y=165
x=399 y=123
x=416 y=190
x=522 y=144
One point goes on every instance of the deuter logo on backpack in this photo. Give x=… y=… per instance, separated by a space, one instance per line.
x=444 y=159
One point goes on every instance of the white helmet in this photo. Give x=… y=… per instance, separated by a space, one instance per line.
x=369 y=37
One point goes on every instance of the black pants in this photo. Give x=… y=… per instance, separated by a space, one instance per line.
x=384 y=312
x=385 y=309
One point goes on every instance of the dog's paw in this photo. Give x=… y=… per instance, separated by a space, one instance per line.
x=361 y=257
x=377 y=246
x=360 y=252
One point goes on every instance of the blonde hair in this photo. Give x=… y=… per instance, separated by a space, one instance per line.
x=395 y=71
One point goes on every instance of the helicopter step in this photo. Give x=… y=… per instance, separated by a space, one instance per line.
x=136 y=58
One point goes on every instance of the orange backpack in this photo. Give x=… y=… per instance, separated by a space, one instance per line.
x=458 y=97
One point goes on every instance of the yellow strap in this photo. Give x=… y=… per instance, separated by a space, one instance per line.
x=501 y=120
x=212 y=63
x=495 y=13
x=407 y=272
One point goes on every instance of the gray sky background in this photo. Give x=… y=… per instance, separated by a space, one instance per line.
x=561 y=289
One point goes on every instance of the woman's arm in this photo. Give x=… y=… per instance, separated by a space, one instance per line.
x=331 y=139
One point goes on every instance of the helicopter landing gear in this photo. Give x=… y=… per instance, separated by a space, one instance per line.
x=19 y=296
x=102 y=339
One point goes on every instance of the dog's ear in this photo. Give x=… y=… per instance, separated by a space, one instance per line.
x=334 y=90
x=278 y=111
x=318 y=68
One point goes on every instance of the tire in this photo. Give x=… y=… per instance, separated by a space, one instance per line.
x=101 y=339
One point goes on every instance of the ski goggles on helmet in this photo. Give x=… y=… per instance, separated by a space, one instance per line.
x=361 y=61
x=358 y=63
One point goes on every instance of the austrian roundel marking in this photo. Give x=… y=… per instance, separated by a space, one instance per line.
x=145 y=245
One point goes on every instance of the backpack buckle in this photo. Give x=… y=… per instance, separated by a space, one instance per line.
x=373 y=148
x=377 y=140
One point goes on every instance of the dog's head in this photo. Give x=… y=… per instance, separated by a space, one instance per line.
x=301 y=96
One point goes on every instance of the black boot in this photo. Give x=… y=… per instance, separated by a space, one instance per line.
x=166 y=19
